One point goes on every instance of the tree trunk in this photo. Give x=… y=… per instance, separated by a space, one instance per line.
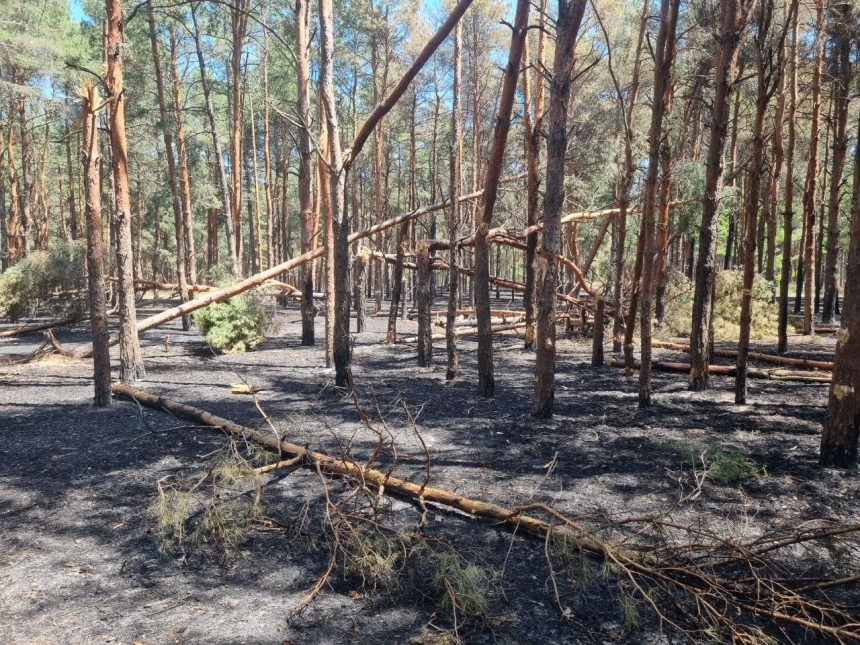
x=533 y=135
x=26 y=187
x=788 y=214
x=733 y=19
x=271 y=238
x=130 y=358
x=221 y=174
x=570 y=14
x=840 y=92
x=183 y=178
x=624 y=185
x=360 y=302
x=167 y=132
x=765 y=75
x=664 y=56
x=12 y=230
x=238 y=25
x=95 y=253
x=810 y=204
x=842 y=422
x=486 y=380
x=454 y=214
x=425 y=341
x=304 y=181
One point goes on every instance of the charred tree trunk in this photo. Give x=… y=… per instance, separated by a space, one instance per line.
x=842 y=423
x=454 y=213
x=486 y=379
x=95 y=253
x=841 y=84
x=570 y=14
x=305 y=167
x=360 y=301
x=733 y=20
x=766 y=66
x=425 y=334
x=130 y=358
x=788 y=214
x=810 y=204
x=533 y=134
x=664 y=56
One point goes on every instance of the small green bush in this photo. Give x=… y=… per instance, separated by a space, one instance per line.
x=52 y=280
x=723 y=466
x=233 y=326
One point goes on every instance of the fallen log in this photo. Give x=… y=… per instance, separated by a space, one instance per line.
x=469 y=331
x=9 y=333
x=731 y=370
x=755 y=356
x=673 y=571
x=381 y=481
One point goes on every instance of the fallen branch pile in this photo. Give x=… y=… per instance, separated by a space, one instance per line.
x=755 y=356
x=702 y=583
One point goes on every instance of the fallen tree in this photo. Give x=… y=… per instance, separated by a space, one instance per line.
x=755 y=356
x=709 y=580
x=731 y=370
x=26 y=329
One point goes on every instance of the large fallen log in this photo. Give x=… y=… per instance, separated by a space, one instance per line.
x=731 y=370
x=26 y=329
x=381 y=481
x=755 y=356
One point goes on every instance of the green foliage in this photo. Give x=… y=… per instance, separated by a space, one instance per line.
x=216 y=511
x=233 y=326
x=54 y=280
x=466 y=587
x=727 y=307
x=722 y=466
x=374 y=559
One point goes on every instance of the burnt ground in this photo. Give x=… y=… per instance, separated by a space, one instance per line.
x=80 y=559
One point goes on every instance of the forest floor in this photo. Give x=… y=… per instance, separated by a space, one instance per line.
x=79 y=554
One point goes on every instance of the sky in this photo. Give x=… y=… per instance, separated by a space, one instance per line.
x=76 y=10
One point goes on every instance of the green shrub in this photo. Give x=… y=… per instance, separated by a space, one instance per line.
x=723 y=466
x=233 y=326
x=727 y=307
x=52 y=280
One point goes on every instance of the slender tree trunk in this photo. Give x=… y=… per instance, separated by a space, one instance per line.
x=533 y=135
x=624 y=187
x=810 y=205
x=728 y=259
x=74 y=226
x=305 y=167
x=663 y=218
x=486 y=379
x=425 y=334
x=324 y=204
x=788 y=214
x=842 y=422
x=454 y=213
x=238 y=24
x=664 y=56
x=130 y=357
x=183 y=176
x=360 y=302
x=570 y=14
x=267 y=159
x=4 y=236
x=841 y=84
x=764 y=87
x=26 y=188
x=167 y=133
x=221 y=174
x=12 y=237
x=733 y=19
x=95 y=253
